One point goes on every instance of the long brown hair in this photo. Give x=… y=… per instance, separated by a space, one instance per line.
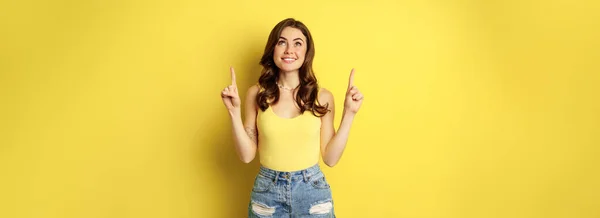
x=307 y=95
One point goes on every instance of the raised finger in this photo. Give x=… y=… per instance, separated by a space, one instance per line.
x=232 y=76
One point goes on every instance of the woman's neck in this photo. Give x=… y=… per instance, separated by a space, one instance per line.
x=289 y=79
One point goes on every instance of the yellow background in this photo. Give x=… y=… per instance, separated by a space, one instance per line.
x=473 y=109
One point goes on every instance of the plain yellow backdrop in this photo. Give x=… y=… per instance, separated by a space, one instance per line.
x=473 y=109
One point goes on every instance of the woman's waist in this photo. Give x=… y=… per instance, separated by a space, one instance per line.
x=307 y=172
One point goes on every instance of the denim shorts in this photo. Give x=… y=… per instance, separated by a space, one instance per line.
x=303 y=193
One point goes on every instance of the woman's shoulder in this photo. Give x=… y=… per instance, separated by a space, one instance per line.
x=255 y=88
x=324 y=91
x=252 y=91
x=325 y=95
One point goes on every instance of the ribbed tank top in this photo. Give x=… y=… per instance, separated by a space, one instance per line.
x=288 y=144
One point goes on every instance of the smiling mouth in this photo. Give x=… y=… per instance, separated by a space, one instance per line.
x=288 y=60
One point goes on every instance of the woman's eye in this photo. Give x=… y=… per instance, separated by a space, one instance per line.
x=281 y=43
x=298 y=44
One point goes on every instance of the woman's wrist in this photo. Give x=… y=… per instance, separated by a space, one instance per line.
x=348 y=115
x=235 y=112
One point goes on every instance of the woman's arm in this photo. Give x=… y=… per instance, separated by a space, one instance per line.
x=332 y=143
x=244 y=133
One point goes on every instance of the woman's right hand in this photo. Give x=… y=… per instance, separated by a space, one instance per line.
x=230 y=95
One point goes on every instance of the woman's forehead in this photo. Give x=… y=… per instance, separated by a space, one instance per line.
x=291 y=33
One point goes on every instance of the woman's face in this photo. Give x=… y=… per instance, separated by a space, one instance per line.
x=290 y=50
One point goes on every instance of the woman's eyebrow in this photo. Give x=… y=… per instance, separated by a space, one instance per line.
x=281 y=37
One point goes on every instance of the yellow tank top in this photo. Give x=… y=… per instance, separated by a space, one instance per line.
x=288 y=144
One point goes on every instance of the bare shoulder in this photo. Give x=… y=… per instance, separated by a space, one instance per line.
x=254 y=89
x=325 y=96
x=251 y=96
x=251 y=109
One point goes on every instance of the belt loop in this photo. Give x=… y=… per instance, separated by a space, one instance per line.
x=304 y=176
x=276 y=176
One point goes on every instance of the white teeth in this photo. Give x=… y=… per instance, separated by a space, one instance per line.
x=288 y=59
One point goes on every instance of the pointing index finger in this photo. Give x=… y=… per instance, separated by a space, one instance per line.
x=232 y=76
x=351 y=80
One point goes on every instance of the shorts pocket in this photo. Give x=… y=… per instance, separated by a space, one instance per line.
x=320 y=183
x=262 y=184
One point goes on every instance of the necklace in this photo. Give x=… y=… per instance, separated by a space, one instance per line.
x=285 y=88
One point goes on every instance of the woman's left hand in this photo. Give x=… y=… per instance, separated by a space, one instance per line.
x=353 y=96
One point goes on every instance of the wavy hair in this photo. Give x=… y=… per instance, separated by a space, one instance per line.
x=307 y=95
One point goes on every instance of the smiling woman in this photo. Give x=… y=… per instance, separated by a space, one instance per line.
x=289 y=120
x=289 y=51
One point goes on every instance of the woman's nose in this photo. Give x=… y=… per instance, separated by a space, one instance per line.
x=288 y=50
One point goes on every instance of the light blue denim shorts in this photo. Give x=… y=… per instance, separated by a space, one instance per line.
x=303 y=193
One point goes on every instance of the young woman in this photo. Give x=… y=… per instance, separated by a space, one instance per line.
x=289 y=120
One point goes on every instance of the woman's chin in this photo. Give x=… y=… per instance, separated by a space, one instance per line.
x=285 y=67
x=288 y=68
